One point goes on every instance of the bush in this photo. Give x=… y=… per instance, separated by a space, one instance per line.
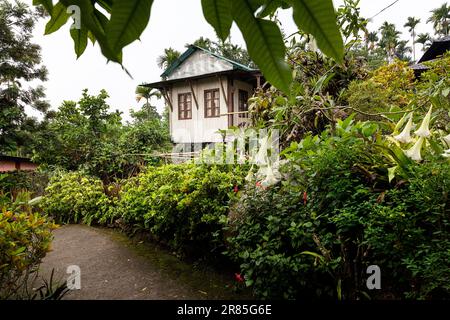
x=389 y=87
x=15 y=182
x=336 y=213
x=184 y=206
x=75 y=197
x=24 y=241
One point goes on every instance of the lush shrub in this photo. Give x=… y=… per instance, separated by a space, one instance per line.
x=389 y=87
x=75 y=197
x=15 y=182
x=336 y=213
x=24 y=240
x=184 y=206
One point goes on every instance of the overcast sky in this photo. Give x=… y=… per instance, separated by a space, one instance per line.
x=173 y=23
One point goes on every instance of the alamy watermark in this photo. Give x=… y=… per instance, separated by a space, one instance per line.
x=75 y=13
x=74 y=280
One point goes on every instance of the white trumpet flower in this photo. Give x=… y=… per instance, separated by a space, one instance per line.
x=405 y=136
x=447 y=140
x=270 y=178
x=446 y=154
x=250 y=176
x=401 y=123
x=414 y=152
x=424 y=130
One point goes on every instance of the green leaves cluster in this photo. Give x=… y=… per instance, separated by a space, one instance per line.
x=76 y=197
x=263 y=37
x=184 y=206
x=335 y=213
x=24 y=241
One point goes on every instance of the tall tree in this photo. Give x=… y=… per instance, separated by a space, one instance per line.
x=148 y=111
x=425 y=40
x=402 y=51
x=20 y=63
x=389 y=39
x=169 y=56
x=411 y=24
x=441 y=20
x=371 y=39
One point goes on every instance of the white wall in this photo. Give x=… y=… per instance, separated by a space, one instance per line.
x=198 y=129
x=240 y=85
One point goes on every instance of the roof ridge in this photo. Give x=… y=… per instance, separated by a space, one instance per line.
x=193 y=48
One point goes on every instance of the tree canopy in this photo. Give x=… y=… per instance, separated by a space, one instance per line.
x=20 y=63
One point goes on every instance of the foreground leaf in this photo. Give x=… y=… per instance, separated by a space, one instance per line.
x=128 y=20
x=59 y=17
x=265 y=44
x=318 y=18
x=80 y=39
x=218 y=15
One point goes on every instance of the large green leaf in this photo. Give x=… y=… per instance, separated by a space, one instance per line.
x=59 y=17
x=128 y=20
x=47 y=4
x=91 y=21
x=218 y=14
x=265 y=44
x=318 y=18
x=80 y=38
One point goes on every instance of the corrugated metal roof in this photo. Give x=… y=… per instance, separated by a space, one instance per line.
x=191 y=50
x=437 y=48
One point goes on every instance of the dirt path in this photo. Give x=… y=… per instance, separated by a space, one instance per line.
x=113 y=267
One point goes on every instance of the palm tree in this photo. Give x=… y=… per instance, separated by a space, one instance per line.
x=441 y=19
x=389 y=39
x=412 y=24
x=143 y=92
x=402 y=51
x=425 y=40
x=372 y=39
x=168 y=58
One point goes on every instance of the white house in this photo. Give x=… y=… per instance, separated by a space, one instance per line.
x=206 y=93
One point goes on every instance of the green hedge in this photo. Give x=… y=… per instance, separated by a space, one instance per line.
x=75 y=197
x=336 y=213
x=185 y=206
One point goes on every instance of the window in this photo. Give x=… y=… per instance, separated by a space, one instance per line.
x=184 y=106
x=243 y=104
x=212 y=103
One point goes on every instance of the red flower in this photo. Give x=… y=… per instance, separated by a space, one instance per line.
x=258 y=184
x=236 y=189
x=305 y=198
x=239 y=277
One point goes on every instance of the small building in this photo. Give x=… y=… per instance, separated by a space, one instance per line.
x=10 y=164
x=206 y=93
x=437 y=49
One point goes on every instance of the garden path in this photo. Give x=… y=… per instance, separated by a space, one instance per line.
x=114 y=267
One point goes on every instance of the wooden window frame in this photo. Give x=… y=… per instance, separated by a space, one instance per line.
x=241 y=103
x=215 y=112
x=184 y=106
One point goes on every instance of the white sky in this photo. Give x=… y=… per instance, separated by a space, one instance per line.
x=173 y=23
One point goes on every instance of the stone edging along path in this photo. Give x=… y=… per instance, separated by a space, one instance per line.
x=113 y=267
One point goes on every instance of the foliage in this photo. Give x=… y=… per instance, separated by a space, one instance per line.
x=336 y=212
x=390 y=86
x=14 y=182
x=20 y=65
x=86 y=135
x=184 y=206
x=311 y=103
x=24 y=240
x=263 y=37
x=75 y=197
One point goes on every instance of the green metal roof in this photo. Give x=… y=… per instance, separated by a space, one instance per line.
x=191 y=50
